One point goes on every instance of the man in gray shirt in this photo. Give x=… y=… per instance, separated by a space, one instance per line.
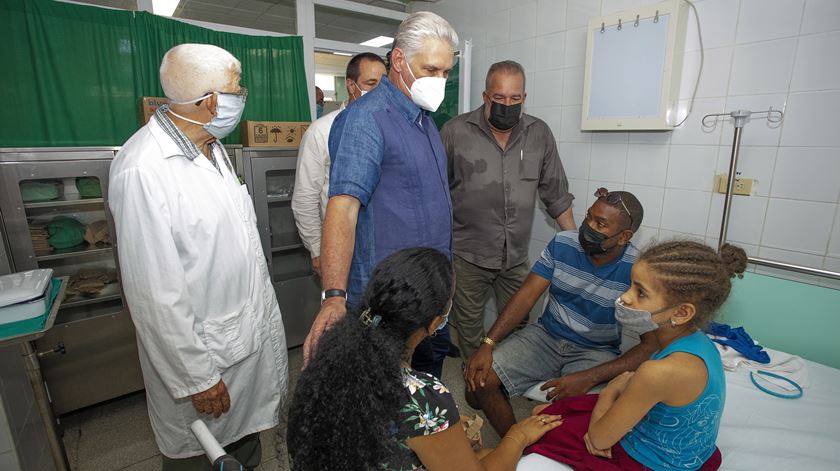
x=499 y=159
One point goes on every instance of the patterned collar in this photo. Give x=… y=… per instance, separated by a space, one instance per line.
x=189 y=149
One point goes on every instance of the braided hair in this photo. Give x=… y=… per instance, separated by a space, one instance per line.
x=693 y=272
x=342 y=412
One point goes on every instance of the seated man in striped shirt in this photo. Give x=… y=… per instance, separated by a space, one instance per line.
x=576 y=340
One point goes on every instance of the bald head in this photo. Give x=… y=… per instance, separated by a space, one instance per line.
x=190 y=71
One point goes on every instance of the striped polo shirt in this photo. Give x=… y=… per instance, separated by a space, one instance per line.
x=581 y=302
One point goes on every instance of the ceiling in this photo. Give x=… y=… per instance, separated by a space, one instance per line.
x=330 y=64
x=279 y=16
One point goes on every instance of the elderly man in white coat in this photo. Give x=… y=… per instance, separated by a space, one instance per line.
x=209 y=331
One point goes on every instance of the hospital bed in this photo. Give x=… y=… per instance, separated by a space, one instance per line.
x=762 y=432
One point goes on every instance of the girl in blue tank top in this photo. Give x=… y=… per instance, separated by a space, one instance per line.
x=665 y=415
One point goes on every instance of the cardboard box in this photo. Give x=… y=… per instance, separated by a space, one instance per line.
x=148 y=105
x=273 y=133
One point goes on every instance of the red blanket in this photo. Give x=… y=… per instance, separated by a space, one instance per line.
x=565 y=443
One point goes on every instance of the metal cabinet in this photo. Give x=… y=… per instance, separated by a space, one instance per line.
x=90 y=355
x=270 y=176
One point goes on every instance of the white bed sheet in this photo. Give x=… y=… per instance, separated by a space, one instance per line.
x=762 y=432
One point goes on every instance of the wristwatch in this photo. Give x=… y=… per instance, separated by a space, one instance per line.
x=489 y=341
x=331 y=293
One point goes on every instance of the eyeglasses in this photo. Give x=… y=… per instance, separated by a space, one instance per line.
x=613 y=198
x=243 y=94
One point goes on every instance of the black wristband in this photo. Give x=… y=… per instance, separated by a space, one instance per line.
x=330 y=293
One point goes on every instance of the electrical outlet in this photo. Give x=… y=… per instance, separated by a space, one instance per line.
x=743 y=186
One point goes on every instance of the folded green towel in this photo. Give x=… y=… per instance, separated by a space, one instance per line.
x=45 y=190
x=65 y=232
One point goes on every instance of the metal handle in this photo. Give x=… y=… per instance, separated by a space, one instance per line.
x=57 y=349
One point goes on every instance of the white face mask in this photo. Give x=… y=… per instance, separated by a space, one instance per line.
x=361 y=92
x=426 y=92
x=638 y=320
x=229 y=108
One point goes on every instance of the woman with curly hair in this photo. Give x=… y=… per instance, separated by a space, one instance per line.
x=359 y=405
x=664 y=416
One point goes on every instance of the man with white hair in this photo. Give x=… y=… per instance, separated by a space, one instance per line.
x=388 y=184
x=209 y=331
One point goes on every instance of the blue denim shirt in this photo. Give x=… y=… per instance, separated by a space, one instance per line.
x=387 y=153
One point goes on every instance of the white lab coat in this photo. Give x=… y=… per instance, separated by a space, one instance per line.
x=198 y=289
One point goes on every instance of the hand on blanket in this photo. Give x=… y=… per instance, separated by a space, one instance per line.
x=573 y=384
x=594 y=451
x=533 y=428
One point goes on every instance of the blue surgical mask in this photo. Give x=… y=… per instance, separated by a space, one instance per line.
x=445 y=318
x=319 y=110
x=229 y=108
x=638 y=320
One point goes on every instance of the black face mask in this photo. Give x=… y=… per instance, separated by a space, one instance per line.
x=504 y=117
x=592 y=241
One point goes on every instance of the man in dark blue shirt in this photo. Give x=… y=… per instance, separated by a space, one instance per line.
x=389 y=188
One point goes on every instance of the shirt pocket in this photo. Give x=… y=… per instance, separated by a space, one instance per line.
x=233 y=337
x=529 y=167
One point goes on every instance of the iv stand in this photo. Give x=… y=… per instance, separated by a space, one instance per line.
x=740 y=118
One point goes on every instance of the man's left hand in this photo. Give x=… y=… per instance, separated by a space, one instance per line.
x=574 y=384
x=215 y=401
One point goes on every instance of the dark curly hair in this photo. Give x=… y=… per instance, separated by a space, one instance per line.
x=693 y=272
x=343 y=409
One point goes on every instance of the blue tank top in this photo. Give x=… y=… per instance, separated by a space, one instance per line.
x=682 y=438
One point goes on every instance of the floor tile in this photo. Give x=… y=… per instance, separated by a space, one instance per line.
x=117 y=435
x=150 y=464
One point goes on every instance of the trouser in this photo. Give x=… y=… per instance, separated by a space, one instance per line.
x=247 y=451
x=472 y=287
x=430 y=353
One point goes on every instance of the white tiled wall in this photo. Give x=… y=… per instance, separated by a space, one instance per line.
x=758 y=53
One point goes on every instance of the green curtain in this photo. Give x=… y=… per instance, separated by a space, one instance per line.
x=449 y=108
x=72 y=75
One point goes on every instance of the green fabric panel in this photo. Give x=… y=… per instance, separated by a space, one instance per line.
x=78 y=72
x=449 y=108
x=35 y=324
x=786 y=315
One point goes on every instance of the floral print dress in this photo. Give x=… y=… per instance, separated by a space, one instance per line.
x=430 y=409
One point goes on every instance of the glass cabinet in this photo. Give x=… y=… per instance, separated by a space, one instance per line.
x=270 y=176
x=55 y=215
